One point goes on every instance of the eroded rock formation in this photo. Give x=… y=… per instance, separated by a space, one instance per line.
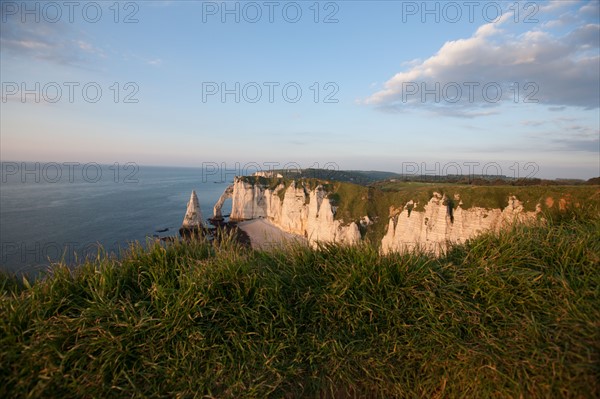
x=294 y=209
x=228 y=193
x=192 y=221
x=436 y=226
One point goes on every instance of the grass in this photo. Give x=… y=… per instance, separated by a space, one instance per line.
x=491 y=197
x=516 y=314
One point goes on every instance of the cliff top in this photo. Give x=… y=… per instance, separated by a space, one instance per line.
x=352 y=201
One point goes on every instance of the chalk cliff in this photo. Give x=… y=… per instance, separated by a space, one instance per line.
x=192 y=225
x=439 y=224
x=295 y=209
x=193 y=215
x=308 y=212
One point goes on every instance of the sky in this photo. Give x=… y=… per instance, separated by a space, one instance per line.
x=485 y=87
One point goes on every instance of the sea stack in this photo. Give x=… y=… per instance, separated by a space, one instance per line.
x=192 y=222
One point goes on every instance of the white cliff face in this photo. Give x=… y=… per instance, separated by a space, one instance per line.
x=267 y=174
x=252 y=201
x=321 y=226
x=293 y=214
x=434 y=228
x=302 y=212
x=193 y=215
x=310 y=214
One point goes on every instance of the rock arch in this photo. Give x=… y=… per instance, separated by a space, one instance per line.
x=228 y=193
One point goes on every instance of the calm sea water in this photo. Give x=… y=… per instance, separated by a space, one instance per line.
x=50 y=212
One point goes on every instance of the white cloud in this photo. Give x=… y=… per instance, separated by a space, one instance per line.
x=533 y=123
x=565 y=19
x=58 y=43
x=52 y=42
x=155 y=62
x=553 y=5
x=591 y=9
x=556 y=70
x=565 y=134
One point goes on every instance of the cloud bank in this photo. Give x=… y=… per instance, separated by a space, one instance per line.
x=555 y=63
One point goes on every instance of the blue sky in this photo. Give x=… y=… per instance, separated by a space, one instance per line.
x=370 y=62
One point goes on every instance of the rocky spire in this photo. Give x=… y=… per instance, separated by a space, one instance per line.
x=193 y=215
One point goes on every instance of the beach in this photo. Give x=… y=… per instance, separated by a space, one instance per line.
x=265 y=235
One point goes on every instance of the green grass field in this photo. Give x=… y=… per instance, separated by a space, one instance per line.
x=509 y=315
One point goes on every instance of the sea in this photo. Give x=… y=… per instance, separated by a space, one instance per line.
x=51 y=212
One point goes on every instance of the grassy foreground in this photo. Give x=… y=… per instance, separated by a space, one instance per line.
x=509 y=315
